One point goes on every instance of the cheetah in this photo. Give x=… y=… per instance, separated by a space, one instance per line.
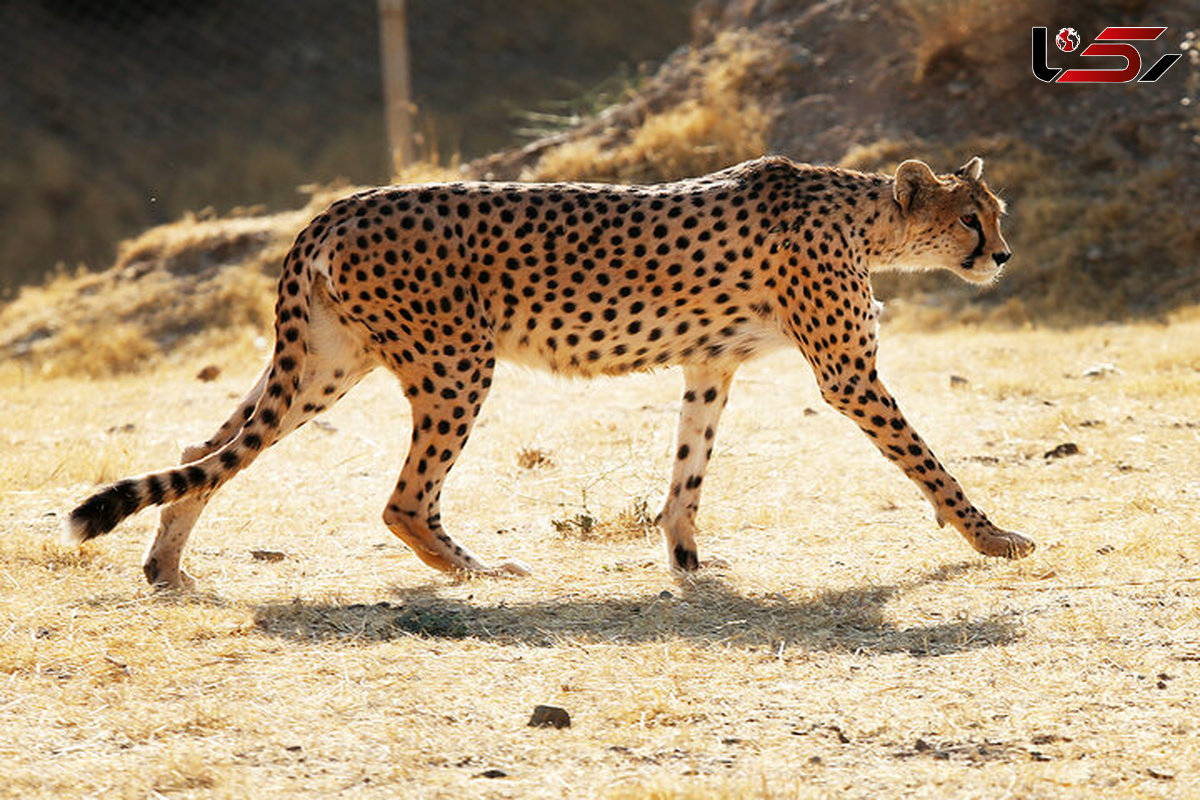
x=435 y=282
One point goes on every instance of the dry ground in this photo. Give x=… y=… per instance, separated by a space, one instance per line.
x=850 y=649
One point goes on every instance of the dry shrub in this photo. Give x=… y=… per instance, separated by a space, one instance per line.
x=718 y=124
x=950 y=35
x=1079 y=237
x=989 y=39
x=633 y=522
x=198 y=283
x=533 y=458
x=84 y=350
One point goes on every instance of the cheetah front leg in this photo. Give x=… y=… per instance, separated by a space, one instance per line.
x=862 y=397
x=705 y=393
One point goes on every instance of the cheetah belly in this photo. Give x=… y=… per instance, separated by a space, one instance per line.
x=635 y=343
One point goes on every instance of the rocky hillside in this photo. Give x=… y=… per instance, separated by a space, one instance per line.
x=1101 y=179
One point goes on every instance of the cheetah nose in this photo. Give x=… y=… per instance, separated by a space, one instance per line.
x=1000 y=258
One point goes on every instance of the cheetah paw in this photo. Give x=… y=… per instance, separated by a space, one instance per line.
x=694 y=564
x=1005 y=544
x=179 y=582
x=509 y=568
x=172 y=579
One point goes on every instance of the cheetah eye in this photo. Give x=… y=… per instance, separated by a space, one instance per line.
x=969 y=220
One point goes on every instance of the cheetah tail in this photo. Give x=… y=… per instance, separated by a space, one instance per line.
x=104 y=510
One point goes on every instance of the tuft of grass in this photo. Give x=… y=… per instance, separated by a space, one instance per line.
x=634 y=521
x=716 y=125
x=534 y=457
x=949 y=36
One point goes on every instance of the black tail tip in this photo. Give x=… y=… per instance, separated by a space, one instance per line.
x=101 y=512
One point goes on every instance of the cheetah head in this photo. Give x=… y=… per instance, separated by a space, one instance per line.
x=951 y=221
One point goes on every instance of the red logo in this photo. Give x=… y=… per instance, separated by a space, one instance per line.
x=1067 y=40
x=1112 y=42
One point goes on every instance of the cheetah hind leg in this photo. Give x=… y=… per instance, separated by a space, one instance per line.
x=335 y=364
x=160 y=564
x=442 y=421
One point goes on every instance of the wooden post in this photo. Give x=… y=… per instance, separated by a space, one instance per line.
x=397 y=90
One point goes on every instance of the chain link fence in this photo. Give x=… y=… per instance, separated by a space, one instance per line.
x=118 y=114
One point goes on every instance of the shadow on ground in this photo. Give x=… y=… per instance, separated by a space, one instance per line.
x=703 y=610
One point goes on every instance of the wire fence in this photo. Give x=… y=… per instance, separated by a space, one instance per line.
x=118 y=114
x=115 y=115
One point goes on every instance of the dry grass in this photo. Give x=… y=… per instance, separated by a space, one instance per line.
x=717 y=124
x=851 y=649
x=1064 y=274
x=948 y=36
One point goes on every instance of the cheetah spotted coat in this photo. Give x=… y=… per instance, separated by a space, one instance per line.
x=436 y=282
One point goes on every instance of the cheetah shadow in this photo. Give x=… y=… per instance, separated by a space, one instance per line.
x=705 y=610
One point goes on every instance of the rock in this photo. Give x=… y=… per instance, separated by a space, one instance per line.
x=209 y=373
x=549 y=717
x=1062 y=450
x=267 y=555
x=1100 y=370
x=958 y=381
x=491 y=773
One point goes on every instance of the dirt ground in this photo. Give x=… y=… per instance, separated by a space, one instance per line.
x=849 y=649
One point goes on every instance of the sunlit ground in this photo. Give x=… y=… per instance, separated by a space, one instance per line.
x=851 y=648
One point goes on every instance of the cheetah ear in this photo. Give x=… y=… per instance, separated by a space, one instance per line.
x=912 y=177
x=972 y=169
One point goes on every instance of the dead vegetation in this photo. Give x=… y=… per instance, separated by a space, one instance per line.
x=1102 y=188
x=713 y=124
x=851 y=648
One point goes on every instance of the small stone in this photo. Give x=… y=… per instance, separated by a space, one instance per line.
x=491 y=773
x=958 y=381
x=665 y=595
x=1100 y=370
x=549 y=717
x=268 y=555
x=209 y=373
x=1061 y=451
